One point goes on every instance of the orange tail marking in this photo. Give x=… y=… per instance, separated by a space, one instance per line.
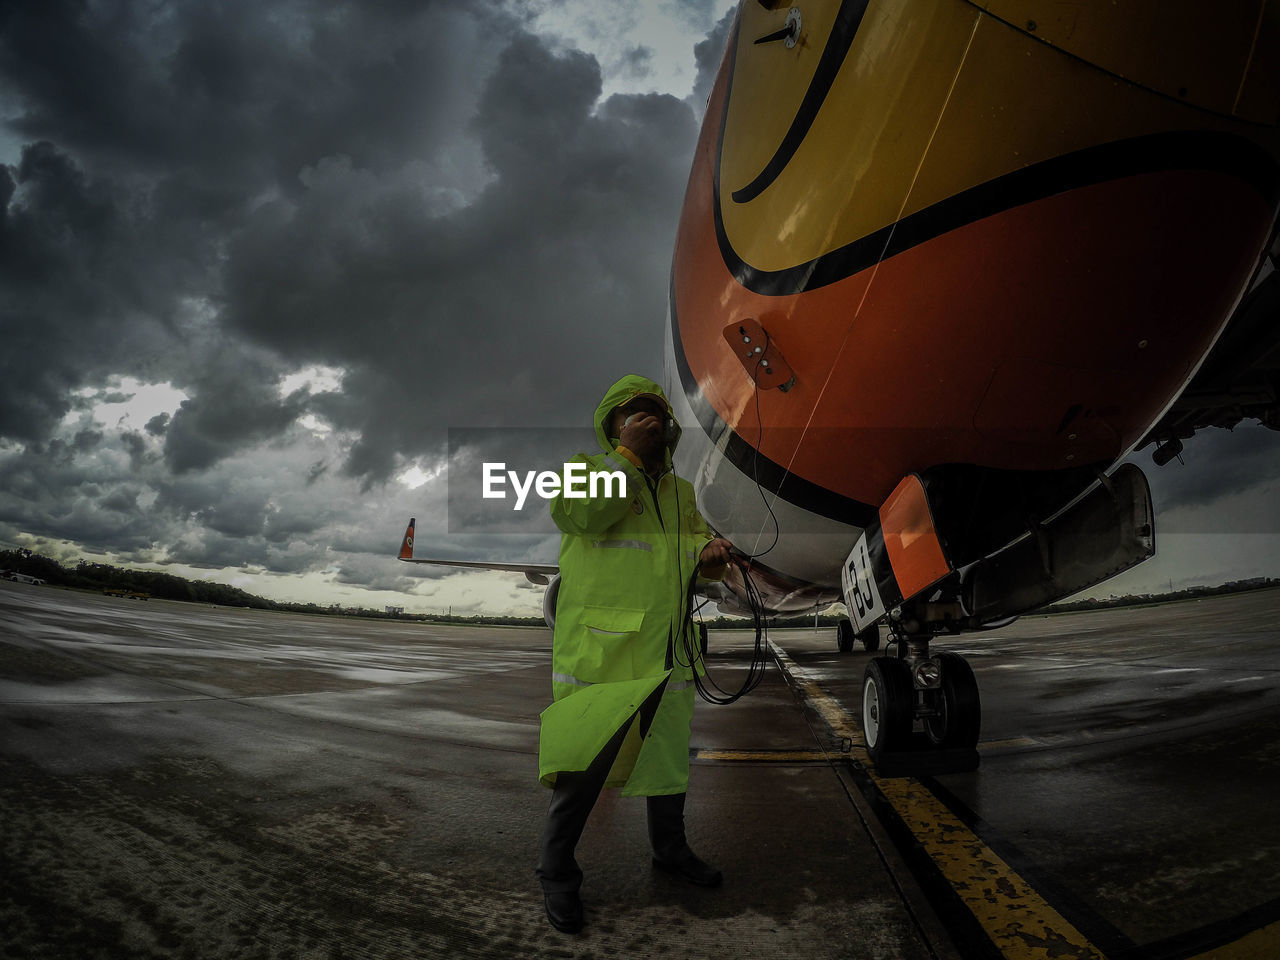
x=406 y=545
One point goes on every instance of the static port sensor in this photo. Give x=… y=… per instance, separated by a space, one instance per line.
x=759 y=355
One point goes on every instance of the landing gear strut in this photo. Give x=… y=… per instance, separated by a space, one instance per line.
x=938 y=694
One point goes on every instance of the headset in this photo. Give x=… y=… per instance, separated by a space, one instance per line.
x=670 y=432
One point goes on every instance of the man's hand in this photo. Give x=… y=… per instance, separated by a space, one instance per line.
x=715 y=553
x=642 y=435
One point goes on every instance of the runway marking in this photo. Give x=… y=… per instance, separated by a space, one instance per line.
x=760 y=756
x=1020 y=923
x=836 y=716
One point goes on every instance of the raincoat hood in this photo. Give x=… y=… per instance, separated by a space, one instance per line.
x=628 y=388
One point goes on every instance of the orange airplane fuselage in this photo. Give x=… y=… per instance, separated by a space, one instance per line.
x=973 y=234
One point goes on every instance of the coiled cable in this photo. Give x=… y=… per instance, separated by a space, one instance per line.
x=707 y=688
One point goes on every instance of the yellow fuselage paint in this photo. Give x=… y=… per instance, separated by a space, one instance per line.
x=940 y=97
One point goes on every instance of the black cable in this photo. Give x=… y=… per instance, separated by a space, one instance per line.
x=755 y=459
x=707 y=688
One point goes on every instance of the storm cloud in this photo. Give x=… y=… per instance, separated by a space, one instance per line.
x=429 y=202
x=258 y=259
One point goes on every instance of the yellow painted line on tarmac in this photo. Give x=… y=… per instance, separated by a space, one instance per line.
x=836 y=716
x=1019 y=921
x=761 y=756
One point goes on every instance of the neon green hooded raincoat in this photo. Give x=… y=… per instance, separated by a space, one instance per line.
x=624 y=564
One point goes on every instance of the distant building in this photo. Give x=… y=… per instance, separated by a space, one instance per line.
x=394 y=611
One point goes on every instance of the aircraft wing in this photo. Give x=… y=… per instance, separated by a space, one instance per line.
x=534 y=572
x=1239 y=380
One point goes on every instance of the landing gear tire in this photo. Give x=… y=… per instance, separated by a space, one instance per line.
x=870 y=638
x=888 y=701
x=844 y=636
x=959 y=711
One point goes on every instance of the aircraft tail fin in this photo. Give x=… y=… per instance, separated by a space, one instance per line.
x=406 y=545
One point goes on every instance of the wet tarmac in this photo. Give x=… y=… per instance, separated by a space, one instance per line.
x=184 y=781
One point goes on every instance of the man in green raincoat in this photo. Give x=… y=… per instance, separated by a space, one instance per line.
x=622 y=668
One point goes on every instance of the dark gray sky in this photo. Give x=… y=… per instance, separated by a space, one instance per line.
x=256 y=258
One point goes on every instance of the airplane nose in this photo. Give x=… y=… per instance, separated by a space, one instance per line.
x=991 y=243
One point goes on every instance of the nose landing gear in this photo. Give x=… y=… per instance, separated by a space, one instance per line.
x=921 y=714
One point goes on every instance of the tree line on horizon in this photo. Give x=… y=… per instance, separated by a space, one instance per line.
x=166 y=586
x=103 y=576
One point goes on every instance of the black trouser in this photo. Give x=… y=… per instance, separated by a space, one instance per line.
x=571 y=802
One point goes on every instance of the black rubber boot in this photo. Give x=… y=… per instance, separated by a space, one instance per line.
x=571 y=802
x=670 y=848
x=564 y=910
